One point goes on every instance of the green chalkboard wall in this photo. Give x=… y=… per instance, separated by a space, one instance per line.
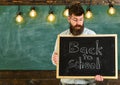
x=29 y=46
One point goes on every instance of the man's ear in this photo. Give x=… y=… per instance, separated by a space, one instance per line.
x=68 y=18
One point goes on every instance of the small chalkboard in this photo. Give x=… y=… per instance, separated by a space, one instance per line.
x=87 y=55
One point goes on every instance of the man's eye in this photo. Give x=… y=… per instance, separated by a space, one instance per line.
x=74 y=20
x=80 y=20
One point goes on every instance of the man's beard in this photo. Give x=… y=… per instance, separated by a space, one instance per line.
x=77 y=29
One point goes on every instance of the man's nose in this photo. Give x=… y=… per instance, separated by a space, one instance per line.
x=78 y=22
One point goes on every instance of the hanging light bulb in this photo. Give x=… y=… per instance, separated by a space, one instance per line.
x=66 y=12
x=88 y=14
x=111 y=9
x=33 y=13
x=19 y=17
x=51 y=17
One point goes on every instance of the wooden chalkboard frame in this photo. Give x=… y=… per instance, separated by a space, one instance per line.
x=89 y=77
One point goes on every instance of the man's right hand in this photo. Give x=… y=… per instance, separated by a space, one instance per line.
x=55 y=58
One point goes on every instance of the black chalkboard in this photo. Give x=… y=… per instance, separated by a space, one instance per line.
x=87 y=56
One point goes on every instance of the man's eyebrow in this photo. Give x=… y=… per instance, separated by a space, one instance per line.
x=74 y=17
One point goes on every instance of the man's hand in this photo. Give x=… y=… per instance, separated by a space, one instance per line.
x=55 y=58
x=99 y=78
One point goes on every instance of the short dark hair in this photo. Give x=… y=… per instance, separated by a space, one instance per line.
x=76 y=9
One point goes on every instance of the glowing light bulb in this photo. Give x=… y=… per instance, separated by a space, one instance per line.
x=66 y=13
x=51 y=17
x=33 y=13
x=88 y=14
x=19 y=18
x=111 y=10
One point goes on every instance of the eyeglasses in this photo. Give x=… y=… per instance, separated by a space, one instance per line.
x=76 y=20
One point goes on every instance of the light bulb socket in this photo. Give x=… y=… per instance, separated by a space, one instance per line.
x=19 y=13
x=51 y=12
x=88 y=9
x=110 y=5
x=67 y=7
x=32 y=8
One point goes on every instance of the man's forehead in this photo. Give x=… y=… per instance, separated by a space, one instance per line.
x=74 y=16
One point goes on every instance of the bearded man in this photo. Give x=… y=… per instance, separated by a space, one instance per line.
x=76 y=21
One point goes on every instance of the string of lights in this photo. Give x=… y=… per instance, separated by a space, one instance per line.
x=51 y=16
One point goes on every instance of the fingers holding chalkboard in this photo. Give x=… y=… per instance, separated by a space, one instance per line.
x=99 y=78
x=55 y=58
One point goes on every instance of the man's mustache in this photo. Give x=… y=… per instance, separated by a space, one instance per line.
x=78 y=25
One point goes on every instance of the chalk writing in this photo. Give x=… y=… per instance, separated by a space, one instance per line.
x=87 y=55
x=79 y=64
x=74 y=47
